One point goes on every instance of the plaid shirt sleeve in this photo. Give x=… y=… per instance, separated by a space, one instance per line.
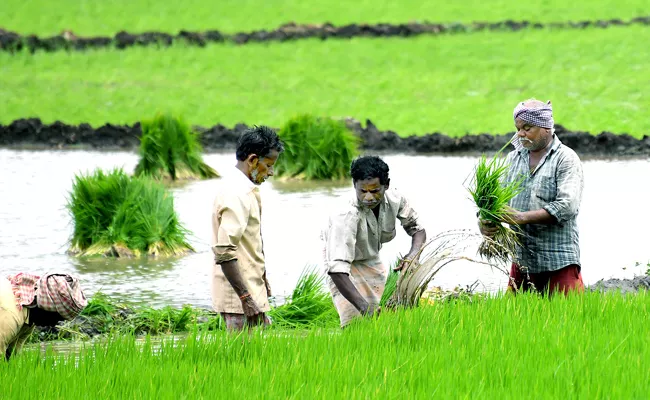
x=570 y=183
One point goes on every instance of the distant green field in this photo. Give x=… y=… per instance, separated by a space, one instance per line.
x=596 y=78
x=585 y=347
x=92 y=17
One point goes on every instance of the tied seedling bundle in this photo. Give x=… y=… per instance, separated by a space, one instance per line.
x=316 y=149
x=404 y=289
x=116 y=215
x=492 y=194
x=170 y=150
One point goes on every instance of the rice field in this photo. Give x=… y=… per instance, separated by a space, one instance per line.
x=94 y=18
x=453 y=84
x=592 y=346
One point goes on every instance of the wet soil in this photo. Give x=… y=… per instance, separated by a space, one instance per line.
x=33 y=133
x=68 y=40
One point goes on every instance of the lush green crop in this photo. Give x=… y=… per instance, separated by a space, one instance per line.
x=590 y=346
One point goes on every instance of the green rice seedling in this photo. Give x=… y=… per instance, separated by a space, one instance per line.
x=170 y=150
x=590 y=346
x=389 y=289
x=380 y=80
x=116 y=215
x=316 y=149
x=492 y=195
x=104 y=316
x=309 y=306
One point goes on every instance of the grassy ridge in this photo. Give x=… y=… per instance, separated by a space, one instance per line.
x=455 y=84
x=593 y=346
x=93 y=17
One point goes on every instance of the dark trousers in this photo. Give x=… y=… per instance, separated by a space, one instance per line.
x=563 y=280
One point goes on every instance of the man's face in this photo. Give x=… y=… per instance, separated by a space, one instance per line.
x=532 y=137
x=261 y=168
x=370 y=192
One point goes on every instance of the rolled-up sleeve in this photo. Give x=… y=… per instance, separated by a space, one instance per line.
x=229 y=220
x=570 y=183
x=408 y=217
x=340 y=242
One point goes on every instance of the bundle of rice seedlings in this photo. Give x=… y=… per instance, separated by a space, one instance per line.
x=169 y=149
x=492 y=194
x=309 y=306
x=316 y=149
x=391 y=286
x=117 y=215
x=442 y=249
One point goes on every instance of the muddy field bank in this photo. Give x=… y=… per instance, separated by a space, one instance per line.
x=68 y=40
x=33 y=133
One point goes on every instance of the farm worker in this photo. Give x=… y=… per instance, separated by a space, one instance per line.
x=240 y=289
x=355 y=234
x=545 y=211
x=27 y=300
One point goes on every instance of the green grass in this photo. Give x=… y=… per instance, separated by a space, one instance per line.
x=588 y=347
x=309 y=306
x=170 y=150
x=92 y=17
x=117 y=215
x=456 y=84
x=316 y=149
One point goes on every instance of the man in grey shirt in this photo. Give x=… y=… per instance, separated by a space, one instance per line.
x=546 y=209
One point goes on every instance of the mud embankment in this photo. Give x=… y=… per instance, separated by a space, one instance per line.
x=68 y=40
x=34 y=134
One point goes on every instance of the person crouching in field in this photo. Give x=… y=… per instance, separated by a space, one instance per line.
x=28 y=300
x=355 y=234
x=545 y=212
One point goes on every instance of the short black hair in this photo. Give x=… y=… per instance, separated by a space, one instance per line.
x=369 y=167
x=259 y=140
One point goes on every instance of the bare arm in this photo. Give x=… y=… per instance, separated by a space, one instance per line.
x=251 y=310
x=417 y=241
x=231 y=271
x=350 y=292
x=540 y=216
x=267 y=284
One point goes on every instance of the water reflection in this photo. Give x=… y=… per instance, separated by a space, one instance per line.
x=36 y=227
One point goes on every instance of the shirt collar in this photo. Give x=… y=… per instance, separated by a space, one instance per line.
x=241 y=179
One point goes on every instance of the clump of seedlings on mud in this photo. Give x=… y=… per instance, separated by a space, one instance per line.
x=103 y=316
x=121 y=216
x=492 y=195
x=309 y=306
x=170 y=150
x=316 y=149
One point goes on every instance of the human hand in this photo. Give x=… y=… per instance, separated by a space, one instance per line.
x=249 y=306
x=513 y=217
x=371 y=311
x=404 y=262
x=268 y=288
x=487 y=228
